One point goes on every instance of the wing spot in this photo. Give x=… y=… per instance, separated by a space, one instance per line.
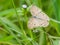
x=34 y=24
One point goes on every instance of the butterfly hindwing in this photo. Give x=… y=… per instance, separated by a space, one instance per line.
x=34 y=22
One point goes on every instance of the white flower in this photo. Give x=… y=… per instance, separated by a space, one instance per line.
x=24 y=6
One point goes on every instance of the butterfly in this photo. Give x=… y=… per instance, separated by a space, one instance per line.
x=38 y=19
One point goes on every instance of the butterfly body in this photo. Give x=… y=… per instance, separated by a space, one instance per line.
x=38 y=19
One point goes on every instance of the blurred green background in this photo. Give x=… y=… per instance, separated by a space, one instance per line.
x=14 y=19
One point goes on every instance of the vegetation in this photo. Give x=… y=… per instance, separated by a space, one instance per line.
x=14 y=19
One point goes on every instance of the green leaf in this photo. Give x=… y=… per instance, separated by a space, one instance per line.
x=42 y=39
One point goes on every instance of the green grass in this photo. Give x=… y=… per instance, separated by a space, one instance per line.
x=14 y=19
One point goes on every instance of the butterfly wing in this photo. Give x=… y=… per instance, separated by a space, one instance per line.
x=43 y=23
x=34 y=22
x=37 y=12
x=34 y=10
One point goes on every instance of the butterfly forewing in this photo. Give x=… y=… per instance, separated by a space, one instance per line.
x=42 y=16
x=34 y=10
x=37 y=12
